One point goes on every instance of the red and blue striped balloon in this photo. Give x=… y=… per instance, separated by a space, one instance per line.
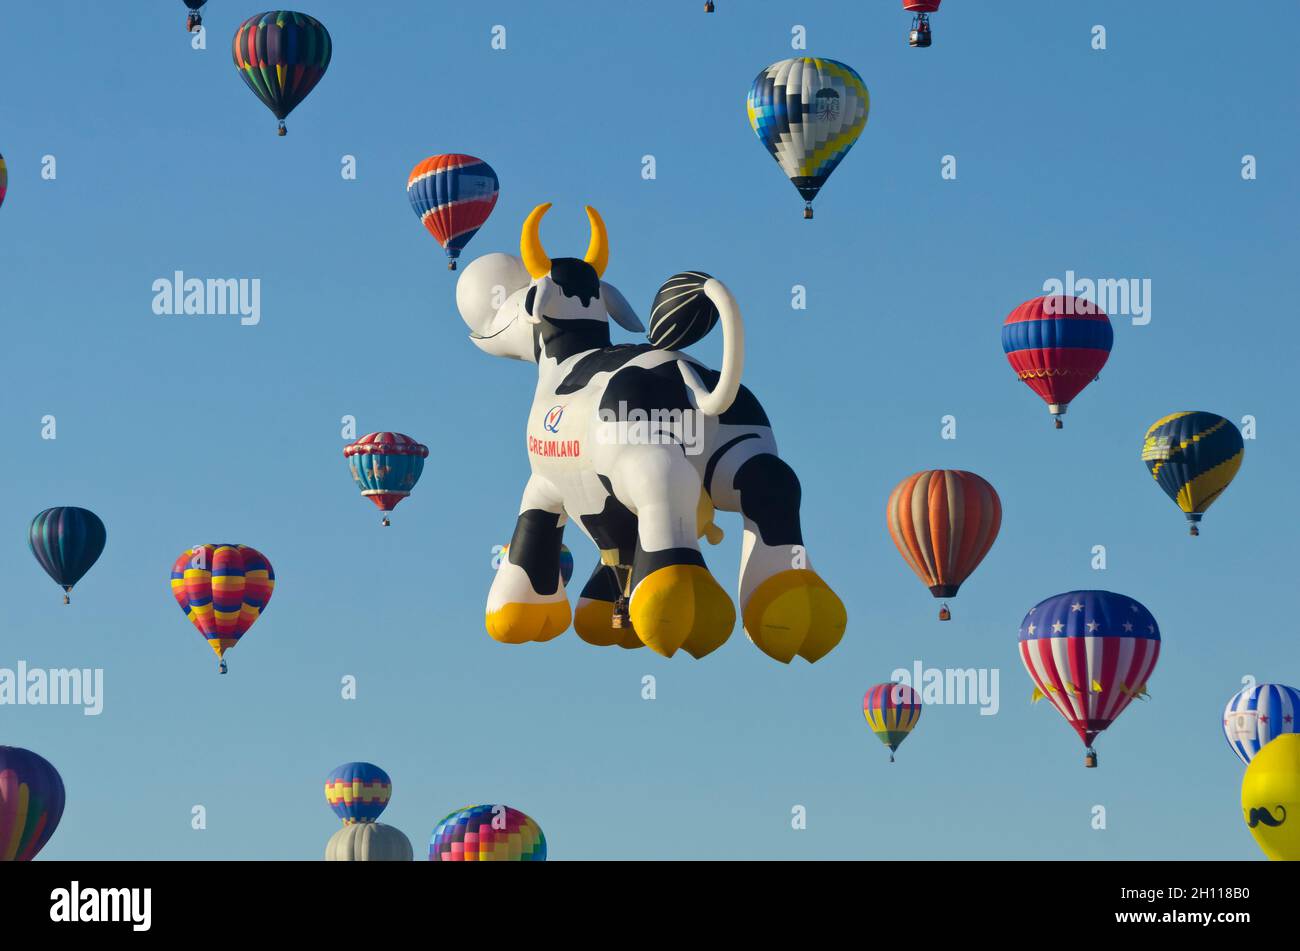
x=67 y=541
x=31 y=803
x=1057 y=345
x=358 y=792
x=452 y=195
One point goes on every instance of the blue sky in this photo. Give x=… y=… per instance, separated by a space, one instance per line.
x=1122 y=163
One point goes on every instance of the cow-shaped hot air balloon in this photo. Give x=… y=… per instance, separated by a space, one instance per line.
x=638 y=445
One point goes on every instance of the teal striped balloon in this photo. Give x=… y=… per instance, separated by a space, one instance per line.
x=67 y=541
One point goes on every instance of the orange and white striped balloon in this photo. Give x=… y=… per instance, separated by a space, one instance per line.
x=944 y=521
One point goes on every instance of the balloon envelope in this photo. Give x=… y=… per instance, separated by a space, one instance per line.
x=369 y=842
x=223 y=590
x=487 y=834
x=67 y=541
x=1090 y=653
x=31 y=803
x=452 y=195
x=1270 y=798
x=358 y=792
x=892 y=711
x=281 y=56
x=943 y=522
x=1057 y=345
x=808 y=113
x=1193 y=456
x=386 y=466
x=1257 y=715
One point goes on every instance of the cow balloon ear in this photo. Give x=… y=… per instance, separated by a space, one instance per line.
x=616 y=306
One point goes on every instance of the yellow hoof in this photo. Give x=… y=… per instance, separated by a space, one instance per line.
x=682 y=606
x=795 y=612
x=519 y=623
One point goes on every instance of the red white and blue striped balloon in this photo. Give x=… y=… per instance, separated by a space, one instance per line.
x=1090 y=653
x=452 y=195
x=1258 y=714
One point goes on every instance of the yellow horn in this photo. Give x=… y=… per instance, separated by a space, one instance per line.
x=598 y=250
x=530 y=243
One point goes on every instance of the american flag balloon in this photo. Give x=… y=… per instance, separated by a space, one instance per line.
x=1090 y=653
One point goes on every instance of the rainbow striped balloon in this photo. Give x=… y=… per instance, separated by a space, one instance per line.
x=223 y=590
x=892 y=710
x=31 y=803
x=452 y=195
x=487 y=834
x=358 y=792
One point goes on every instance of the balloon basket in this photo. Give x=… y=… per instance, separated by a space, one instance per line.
x=945 y=614
x=708 y=6
x=451 y=265
x=621 y=619
x=1059 y=424
x=67 y=598
x=807 y=211
x=1194 y=531
x=222 y=668
x=385 y=522
x=1090 y=759
x=283 y=130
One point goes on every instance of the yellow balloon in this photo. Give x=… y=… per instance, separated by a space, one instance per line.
x=1270 y=798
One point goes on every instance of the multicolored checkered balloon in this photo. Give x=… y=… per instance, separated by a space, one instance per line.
x=487 y=834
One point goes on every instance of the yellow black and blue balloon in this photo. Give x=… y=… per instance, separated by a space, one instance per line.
x=1193 y=456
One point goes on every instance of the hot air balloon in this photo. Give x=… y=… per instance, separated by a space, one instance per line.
x=67 y=541
x=1257 y=715
x=452 y=195
x=194 y=19
x=920 y=35
x=1057 y=346
x=943 y=522
x=1193 y=456
x=223 y=590
x=358 y=792
x=1270 y=798
x=282 y=55
x=31 y=803
x=386 y=466
x=368 y=842
x=808 y=113
x=1090 y=653
x=892 y=710
x=487 y=834
x=4 y=179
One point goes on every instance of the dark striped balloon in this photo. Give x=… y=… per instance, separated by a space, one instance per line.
x=682 y=314
x=281 y=56
x=67 y=541
x=31 y=803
